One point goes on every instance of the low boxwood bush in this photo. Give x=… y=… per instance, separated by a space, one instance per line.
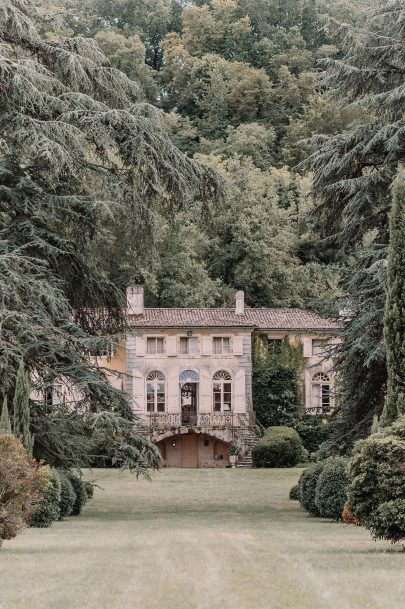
x=307 y=487
x=279 y=447
x=294 y=493
x=331 y=488
x=67 y=496
x=80 y=490
x=377 y=482
x=50 y=487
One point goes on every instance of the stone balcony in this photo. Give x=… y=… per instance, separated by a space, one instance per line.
x=223 y=425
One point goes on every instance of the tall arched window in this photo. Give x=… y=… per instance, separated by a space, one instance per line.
x=222 y=391
x=321 y=399
x=155 y=392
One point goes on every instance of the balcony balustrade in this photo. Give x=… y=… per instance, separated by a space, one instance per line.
x=206 y=420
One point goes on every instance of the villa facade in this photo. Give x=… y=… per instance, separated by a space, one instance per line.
x=189 y=373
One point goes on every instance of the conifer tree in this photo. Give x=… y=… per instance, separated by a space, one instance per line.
x=353 y=175
x=21 y=409
x=5 y=423
x=394 y=321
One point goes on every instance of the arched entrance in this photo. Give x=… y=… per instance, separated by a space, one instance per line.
x=194 y=450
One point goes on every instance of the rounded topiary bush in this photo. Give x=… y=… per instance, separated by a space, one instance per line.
x=80 y=490
x=294 y=493
x=279 y=447
x=307 y=487
x=67 y=496
x=331 y=488
x=50 y=487
x=377 y=482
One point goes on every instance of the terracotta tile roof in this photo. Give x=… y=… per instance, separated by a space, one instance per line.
x=266 y=319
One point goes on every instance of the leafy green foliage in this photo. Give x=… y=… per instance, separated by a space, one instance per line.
x=67 y=495
x=377 y=485
x=5 y=423
x=21 y=409
x=307 y=487
x=80 y=491
x=294 y=493
x=279 y=447
x=313 y=432
x=331 y=488
x=49 y=508
x=275 y=381
x=394 y=319
x=19 y=492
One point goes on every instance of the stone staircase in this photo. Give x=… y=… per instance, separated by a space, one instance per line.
x=246 y=438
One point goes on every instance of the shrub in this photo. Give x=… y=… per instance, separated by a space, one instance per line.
x=307 y=487
x=331 y=488
x=294 y=493
x=50 y=489
x=377 y=482
x=312 y=432
x=348 y=518
x=81 y=495
x=89 y=489
x=67 y=496
x=19 y=494
x=279 y=447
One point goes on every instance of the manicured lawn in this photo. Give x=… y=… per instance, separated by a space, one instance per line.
x=199 y=539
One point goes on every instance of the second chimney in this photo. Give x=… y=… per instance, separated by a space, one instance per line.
x=240 y=303
x=135 y=300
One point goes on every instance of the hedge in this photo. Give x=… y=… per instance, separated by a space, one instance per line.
x=279 y=447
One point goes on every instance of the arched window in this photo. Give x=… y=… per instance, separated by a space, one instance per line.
x=155 y=392
x=321 y=399
x=222 y=391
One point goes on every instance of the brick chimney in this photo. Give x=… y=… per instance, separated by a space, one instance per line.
x=240 y=303
x=135 y=300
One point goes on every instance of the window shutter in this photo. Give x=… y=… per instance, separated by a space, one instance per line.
x=307 y=347
x=205 y=391
x=140 y=346
x=239 y=390
x=173 y=393
x=138 y=391
x=171 y=345
x=206 y=345
x=237 y=345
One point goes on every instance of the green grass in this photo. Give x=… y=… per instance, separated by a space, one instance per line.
x=199 y=539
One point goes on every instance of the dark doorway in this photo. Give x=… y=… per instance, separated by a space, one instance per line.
x=188 y=403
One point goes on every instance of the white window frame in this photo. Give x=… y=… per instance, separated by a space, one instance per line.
x=196 y=337
x=155 y=337
x=159 y=379
x=222 y=382
x=222 y=353
x=323 y=347
x=318 y=381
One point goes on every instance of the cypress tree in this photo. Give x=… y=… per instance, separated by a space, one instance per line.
x=21 y=409
x=394 y=320
x=5 y=423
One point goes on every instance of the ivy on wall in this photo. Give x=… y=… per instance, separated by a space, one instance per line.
x=276 y=381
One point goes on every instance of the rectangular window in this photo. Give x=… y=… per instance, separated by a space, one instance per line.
x=221 y=345
x=150 y=397
x=217 y=397
x=155 y=345
x=319 y=347
x=188 y=345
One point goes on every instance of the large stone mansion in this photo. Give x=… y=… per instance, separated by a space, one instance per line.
x=188 y=372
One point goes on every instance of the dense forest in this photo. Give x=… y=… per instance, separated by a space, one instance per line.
x=198 y=148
